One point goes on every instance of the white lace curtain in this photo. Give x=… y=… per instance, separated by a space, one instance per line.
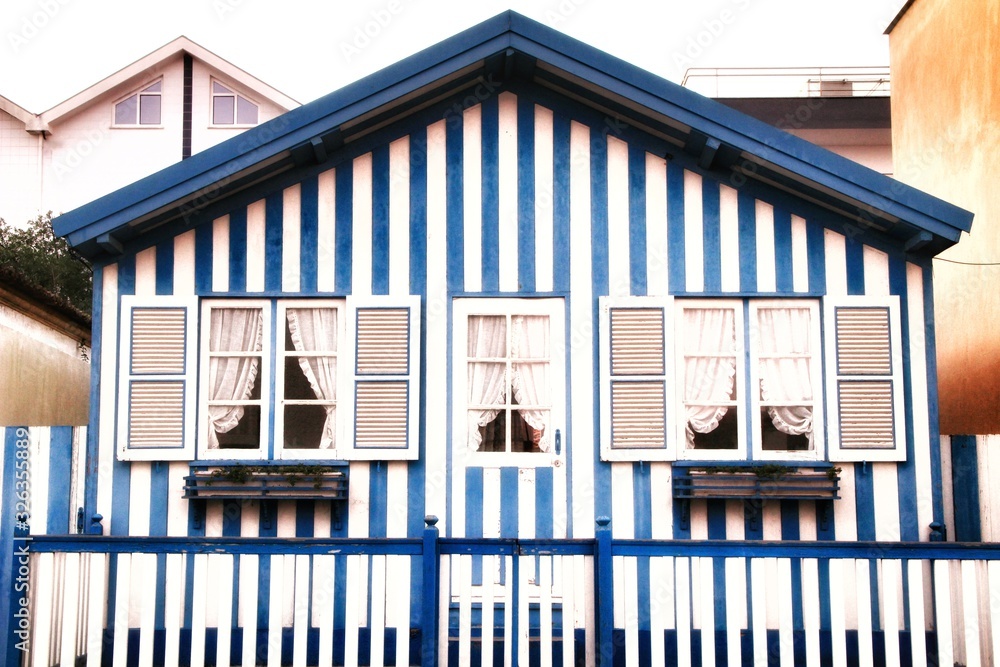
x=710 y=371
x=785 y=374
x=487 y=372
x=231 y=378
x=315 y=330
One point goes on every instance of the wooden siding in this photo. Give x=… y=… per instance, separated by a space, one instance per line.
x=513 y=198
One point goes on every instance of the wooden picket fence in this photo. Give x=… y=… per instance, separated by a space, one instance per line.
x=97 y=600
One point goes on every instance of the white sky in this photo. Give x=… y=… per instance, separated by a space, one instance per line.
x=52 y=49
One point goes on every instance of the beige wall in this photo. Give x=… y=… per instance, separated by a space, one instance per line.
x=945 y=58
x=20 y=153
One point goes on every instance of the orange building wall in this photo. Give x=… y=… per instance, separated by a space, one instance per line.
x=945 y=58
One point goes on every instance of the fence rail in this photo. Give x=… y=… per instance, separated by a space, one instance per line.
x=216 y=601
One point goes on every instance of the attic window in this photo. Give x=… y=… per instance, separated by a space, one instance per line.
x=229 y=108
x=141 y=108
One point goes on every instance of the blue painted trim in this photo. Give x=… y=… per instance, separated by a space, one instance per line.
x=377 y=497
x=92 y=460
x=783 y=252
x=906 y=474
x=642 y=486
x=855 y=252
x=864 y=494
x=603 y=492
x=525 y=194
x=455 y=197
x=746 y=215
x=561 y=161
x=490 y=194
x=121 y=478
x=238 y=250
x=429 y=584
x=380 y=220
x=310 y=252
x=509 y=491
x=816 y=252
x=417 y=470
x=965 y=482
x=676 y=267
x=165 y=267
x=60 y=516
x=637 y=220
x=159 y=497
x=203 y=252
x=933 y=414
x=274 y=213
x=544 y=503
x=344 y=232
x=473 y=502
x=711 y=235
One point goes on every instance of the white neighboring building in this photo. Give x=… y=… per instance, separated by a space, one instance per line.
x=164 y=107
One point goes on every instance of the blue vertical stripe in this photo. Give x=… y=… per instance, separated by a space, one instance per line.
x=92 y=477
x=864 y=497
x=560 y=202
x=642 y=488
x=816 y=251
x=474 y=502
x=965 y=482
x=544 y=503
x=238 y=250
x=637 y=220
x=855 y=252
x=203 y=252
x=491 y=194
x=378 y=492
x=783 y=254
x=274 y=214
x=525 y=195
x=309 y=235
x=599 y=287
x=416 y=470
x=380 y=220
x=60 y=474
x=344 y=233
x=455 y=213
x=711 y=234
x=906 y=473
x=159 y=497
x=165 y=267
x=790 y=532
x=933 y=415
x=717 y=531
x=676 y=268
x=305 y=518
x=121 y=478
x=746 y=215
x=509 y=507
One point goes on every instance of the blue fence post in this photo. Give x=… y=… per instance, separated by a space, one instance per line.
x=604 y=593
x=429 y=612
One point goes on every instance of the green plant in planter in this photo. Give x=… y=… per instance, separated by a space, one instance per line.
x=771 y=472
x=292 y=474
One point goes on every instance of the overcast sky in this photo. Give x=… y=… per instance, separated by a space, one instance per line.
x=52 y=49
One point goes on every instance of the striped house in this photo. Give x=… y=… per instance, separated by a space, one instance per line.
x=653 y=381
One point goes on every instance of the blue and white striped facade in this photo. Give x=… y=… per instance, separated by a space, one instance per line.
x=519 y=195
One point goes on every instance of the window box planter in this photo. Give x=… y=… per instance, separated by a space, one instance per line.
x=266 y=482
x=769 y=482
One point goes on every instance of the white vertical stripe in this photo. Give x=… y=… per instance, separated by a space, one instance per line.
x=96 y=605
x=213 y=519
x=876 y=271
x=800 y=255
x=488 y=610
x=836 y=263
x=786 y=622
x=472 y=213
x=706 y=591
x=661 y=501
x=42 y=614
x=223 y=576
x=810 y=610
x=359 y=506
x=351 y=616
x=918 y=624
x=397 y=498
x=657 y=276
x=361 y=259
x=526 y=490
x=661 y=604
x=249 y=568
x=508 y=192
x=735 y=608
x=220 y=254
x=523 y=619
x=121 y=620
x=545 y=609
x=694 y=241
x=764 y=232
x=491 y=502
x=107 y=428
x=758 y=610
x=619 y=274
x=885 y=482
x=183 y=267
x=145 y=272
x=291 y=238
x=920 y=398
x=177 y=507
x=326 y=236
x=544 y=190
x=864 y=589
x=324 y=574
x=807 y=520
x=39 y=446
x=942 y=617
x=464 y=572
x=582 y=338
x=198 y=602
x=286 y=529
x=275 y=595
x=622 y=501
x=377 y=625
x=139 y=500
x=256 y=245
x=173 y=606
x=891 y=590
x=399 y=216
x=436 y=413
x=729 y=238
x=683 y=588
x=971 y=612
x=630 y=593
x=569 y=611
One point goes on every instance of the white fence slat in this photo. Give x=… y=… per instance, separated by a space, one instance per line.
x=67 y=654
x=147 y=564
x=400 y=566
x=810 y=610
x=707 y=595
x=735 y=604
x=838 y=625
x=661 y=578
x=377 y=623
x=545 y=609
x=629 y=595
x=444 y=593
x=300 y=622
x=993 y=574
x=585 y=581
x=464 y=608
x=617 y=588
x=785 y=620
x=41 y=620
x=122 y=595
x=199 y=603
x=525 y=568
x=82 y=601
x=249 y=569
x=173 y=610
x=275 y=609
x=569 y=611
x=758 y=610
x=324 y=571
x=918 y=647
x=351 y=608
x=970 y=615
x=683 y=596
x=224 y=598
x=97 y=600
x=891 y=585
x=864 y=588
x=942 y=615
x=488 y=606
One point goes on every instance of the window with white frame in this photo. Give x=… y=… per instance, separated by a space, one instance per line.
x=231 y=108
x=143 y=107
x=508 y=375
x=747 y=379
x=321 y=350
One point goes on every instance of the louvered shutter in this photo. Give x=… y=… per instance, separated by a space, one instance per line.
x=156 y=390
x=636 y=390
x=865 y=390
x=383 y=336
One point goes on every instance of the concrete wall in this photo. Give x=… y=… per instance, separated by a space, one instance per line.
x=946 y=134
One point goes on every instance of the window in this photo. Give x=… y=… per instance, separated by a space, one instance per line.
x=746 y=379
x=320 y=350
x=140 y=108
x=509 y=375
x=230 y=108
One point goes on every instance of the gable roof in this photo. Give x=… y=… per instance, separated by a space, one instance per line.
x=148 y=63
x=510 y=46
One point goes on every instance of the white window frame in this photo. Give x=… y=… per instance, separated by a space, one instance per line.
x=818 y=450
x=280 y=357
x=263 y=381
x=139 y=93
x=555 y=309
x=236 y=95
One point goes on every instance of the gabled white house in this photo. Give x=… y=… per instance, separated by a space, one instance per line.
x=158 y=110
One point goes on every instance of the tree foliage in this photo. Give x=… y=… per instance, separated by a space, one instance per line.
x=39 y=257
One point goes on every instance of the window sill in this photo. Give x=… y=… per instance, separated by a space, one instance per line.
x=267 y=481
x=764 y=482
